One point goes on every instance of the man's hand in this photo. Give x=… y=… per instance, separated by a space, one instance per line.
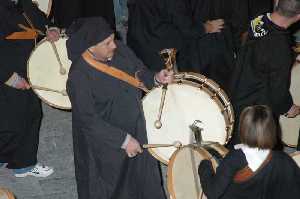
x=293 y=112
x=17 y=82
x=52 y=34
x=164 y=76
x=22 y=84
x=133 y=148
x=214 y=26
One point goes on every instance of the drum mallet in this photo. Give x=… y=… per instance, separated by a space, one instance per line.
x=176 y=144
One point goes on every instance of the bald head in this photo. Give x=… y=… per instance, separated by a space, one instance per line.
x=288 y=8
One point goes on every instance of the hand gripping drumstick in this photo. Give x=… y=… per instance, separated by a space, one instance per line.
x=169 y=59
x=176 y=144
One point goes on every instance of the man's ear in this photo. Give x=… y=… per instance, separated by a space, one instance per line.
x=298 y=17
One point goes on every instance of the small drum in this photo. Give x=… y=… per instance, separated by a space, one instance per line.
x=296 y=157
x=291 y=126
x=47 y=70
x=192 y=97
x=6 y=194
x=183 y=179
x=44 y=5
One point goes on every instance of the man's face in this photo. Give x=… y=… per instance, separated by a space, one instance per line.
x=106 y=48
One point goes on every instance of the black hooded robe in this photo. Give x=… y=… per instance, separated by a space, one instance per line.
x=278 y=179
x=21 y=112
x=104 y=111
x=156 y=25
x=262 y=75
x=216 y=50
x=65 y=12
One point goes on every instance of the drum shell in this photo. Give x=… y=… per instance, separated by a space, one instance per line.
x=43 y=70
x=44 y=5
x=183 y=180
x=6 y=194
x=291 y=126
x=191 y=97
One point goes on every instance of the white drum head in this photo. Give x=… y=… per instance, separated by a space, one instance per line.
x=291 y=126
x=296 y=157
x=184 y=104
x=44 y=71
x=44 y=5
x=183 y=178
x=6 y=194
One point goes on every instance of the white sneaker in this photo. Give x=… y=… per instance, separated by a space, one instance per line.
x=37 y=171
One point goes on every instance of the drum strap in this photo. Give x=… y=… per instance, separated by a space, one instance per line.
x=28 y=33
x=114 y=72
x=246 y=173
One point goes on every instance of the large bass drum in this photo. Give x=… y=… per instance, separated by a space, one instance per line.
x=47 y=70
x=44 y=5
x=183 y=178
x=296 y=157
x=6 y=194
x=291 y=126
x=192 y=97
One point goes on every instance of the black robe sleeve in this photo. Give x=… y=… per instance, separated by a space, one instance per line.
x=279 y=67
x=83 y=106
x=183 y=20
x=214 y=184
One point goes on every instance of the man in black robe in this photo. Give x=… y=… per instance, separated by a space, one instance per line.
x=107 y=117
x=262 y=75
x=21 y=113
x=65 y=12
x=201 y=31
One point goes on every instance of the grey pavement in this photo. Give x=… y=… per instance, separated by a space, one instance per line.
x=55 y=149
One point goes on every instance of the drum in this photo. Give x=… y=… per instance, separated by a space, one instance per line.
x=44 y=5
x=191 y=98
x=183 y=179
x=296 y=157
x=47 y=71
x=291 y=126
x=6 y=194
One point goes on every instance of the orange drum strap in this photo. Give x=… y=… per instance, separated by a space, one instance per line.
x=246 y=173
x=114 y=72
x=28 y=33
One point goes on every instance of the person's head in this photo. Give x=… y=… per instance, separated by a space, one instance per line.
x=105 y=49
x=288 y=8
x=258 y=127
x=94 y=34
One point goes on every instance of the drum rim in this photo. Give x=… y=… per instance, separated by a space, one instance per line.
x=202 y=151
x=296 y=153
x=30 y=83
x=8 y=193
x=49 y=8
x=184 y=77
x=283 y=119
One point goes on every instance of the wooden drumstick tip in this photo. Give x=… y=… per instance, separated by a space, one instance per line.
x=158 y=124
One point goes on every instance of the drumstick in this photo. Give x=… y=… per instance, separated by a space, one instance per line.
x=176 y=144
x=158 y=123
x=63 y=92
x=169 y=59
x=62 y=70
